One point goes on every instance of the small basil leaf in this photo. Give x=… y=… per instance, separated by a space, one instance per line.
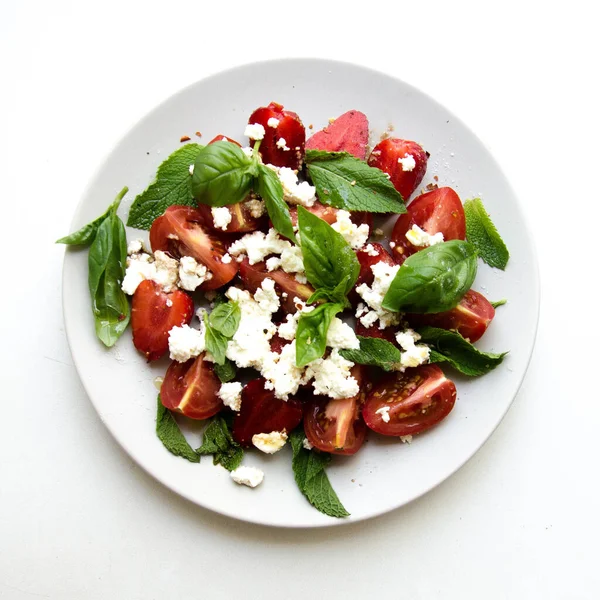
x=434 y=279
x=226 y=372
x=311 y=335
x=482 y=233
x=225 y=318
x=216 y=342
x=170 y=435
x=218 y=441
x=451 y=347
x=222 y=175
x=269 y=188
x=375 y=352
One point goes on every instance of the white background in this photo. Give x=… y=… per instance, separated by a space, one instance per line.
x=79 y=520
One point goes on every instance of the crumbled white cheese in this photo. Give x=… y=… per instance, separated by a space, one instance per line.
x=273 y=263
x=221 y=217
x=250 y=476
x=332 y=376
x=267 y=297
x=135 y=246
x=192 y=274
x=281 y=143
x=256 y=207
x=167 y=271
x=371 y=250
x=408 y=162
x=281 y=373
x=269 y=443
x=418 y=237
x=384 y=411
x=340 y=335
x=355 y=235
x=392 y=245
x=231 y=395
x=373 y=296
x=414 y=354
x=160 y=268
x=273 y=122
x=294 y=192
x=186 y=342
x=291 y=260
x=306 y=444
x=300 y=278
x=361 y=309
x=406 y=439
x=254 y=131
x=226 y=259
x=257 y=246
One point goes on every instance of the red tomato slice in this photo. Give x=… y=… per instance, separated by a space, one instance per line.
x=385 y=156
x=389 y=333
x=289 y=128
x=191 y=388
x=471 y=317
x=154 y=313
x=437 y=211
x=263 y=412
x=417 y=399
x=182 y=231
x=336 y=426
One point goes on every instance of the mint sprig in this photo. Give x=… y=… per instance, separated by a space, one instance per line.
x=170 y=435
x=218 y=441
x=375 y=352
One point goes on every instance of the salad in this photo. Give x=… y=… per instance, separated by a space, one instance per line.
x=289 y=316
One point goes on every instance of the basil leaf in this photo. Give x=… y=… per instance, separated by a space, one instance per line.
x=309 y=473
x=225 y=318
x=311 y=335
x=375 y=352
x=434 y=279
x=328 y=259
x=223 y=174
x=499 y=303
x=482 y=233
x=451 y=347
x=172 y=185
x=226 y=372
x=106 y=262
x=344 y=181
x=216 y=342
x=218 y=441
x=269 y=188
x=85 y=236
x=170 y=435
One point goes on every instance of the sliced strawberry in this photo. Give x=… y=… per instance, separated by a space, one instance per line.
x=223 y=138
x=348 y=133
x=289 y=132
x=405 y=176
x=263 y=412
x=154 y=313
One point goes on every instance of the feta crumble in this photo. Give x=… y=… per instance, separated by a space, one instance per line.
x=371 y=250
x=414 y=354
x=186 y=342
x=250 y=476
x=295 y=192
x=135 y=246
x=408 y=162
x=226 y=259
x=341 y=336
x=281 y=143
x=231 y=395
x=159 y=268
x=332 y=376
x=221 y=217
x=254 y=131
x=355 y=235
x=273 y=122
x=257 y=246
x=306 y=444
x=269 y=443
x=418 y=237
x=384 y=411
x=406 y=439
x=256 y=207
x=373 y=296
x=192 y=274
x=281 y=373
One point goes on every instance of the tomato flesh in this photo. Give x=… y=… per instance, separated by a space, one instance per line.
x=191 y=388
x=417 y=400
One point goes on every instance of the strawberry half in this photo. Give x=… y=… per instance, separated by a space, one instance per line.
x=348 y=133
x=154 y=313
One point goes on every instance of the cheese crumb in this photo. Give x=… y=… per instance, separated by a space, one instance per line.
x=281 y=144
x=226 y=259
x=254 y=131
x=408 y=162
x=231 y=395
x=355 y=235
x=373 y=296
x=332 y=376
x=269 y=443
x=256 y=207
x=250 y=476
x=192 y=274
x=413 y=355
x=371 y=250
x=221 y=217
x=341 y=336
x=257 y=246
x=295 y=192
x=418 y=237
x=406 y=439
x=135 y=246
x=384 y=411
x=186 y=342
x=306 y=444
x=273 y=122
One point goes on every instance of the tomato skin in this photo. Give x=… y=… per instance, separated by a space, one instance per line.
x=242 y=220
x=191 y=388
x=290 y=128
x=182 y=231
x=437 y=211
x=324 y=212
x=336 y=426
x=385 y=157
x=471 y=317
x=262 y=412
x=154 y=313
x=418 y=399
x=389 y=333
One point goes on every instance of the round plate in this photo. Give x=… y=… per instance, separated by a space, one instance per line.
x=386 y=473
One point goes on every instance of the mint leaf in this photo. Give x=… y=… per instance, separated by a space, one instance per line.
x=85 y=236
x=482 y=233
x=170 y=435
x=225 y=318
x=311 y=335
x=309 y=473
x=329 y=261
x=434 y=279
x=451 y=347
x=223 y=174
x=346 y=182
x=173 y=185
x=225 y=372
x=269 y=188
x=499 y=303
x=375 y=352
x=218 y=441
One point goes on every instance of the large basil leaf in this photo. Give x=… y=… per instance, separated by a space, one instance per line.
x=311 y=336
x=222 y=175
x=434 y=279
x=269 y=188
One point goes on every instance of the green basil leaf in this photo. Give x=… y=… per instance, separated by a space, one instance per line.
x=216 y=342
x=85 y=236
x=172 y=185
x=344 y=181
x=434 y=279
x=225 y=318
x=311 y=335
x=375 y=352
x=223 y=174
x=218 y=441
x=328 y=259
x=451 y=347
x=226 y=372
x=106 y=262
x=170 y=435
x=499 y=303
x=309 y=473
x=482 y=233
x=269 y=188
x=337 y=294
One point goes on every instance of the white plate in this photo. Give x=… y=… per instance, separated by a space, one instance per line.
x=385 y=474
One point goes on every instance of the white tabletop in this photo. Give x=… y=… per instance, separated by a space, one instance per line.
x=78 y=519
